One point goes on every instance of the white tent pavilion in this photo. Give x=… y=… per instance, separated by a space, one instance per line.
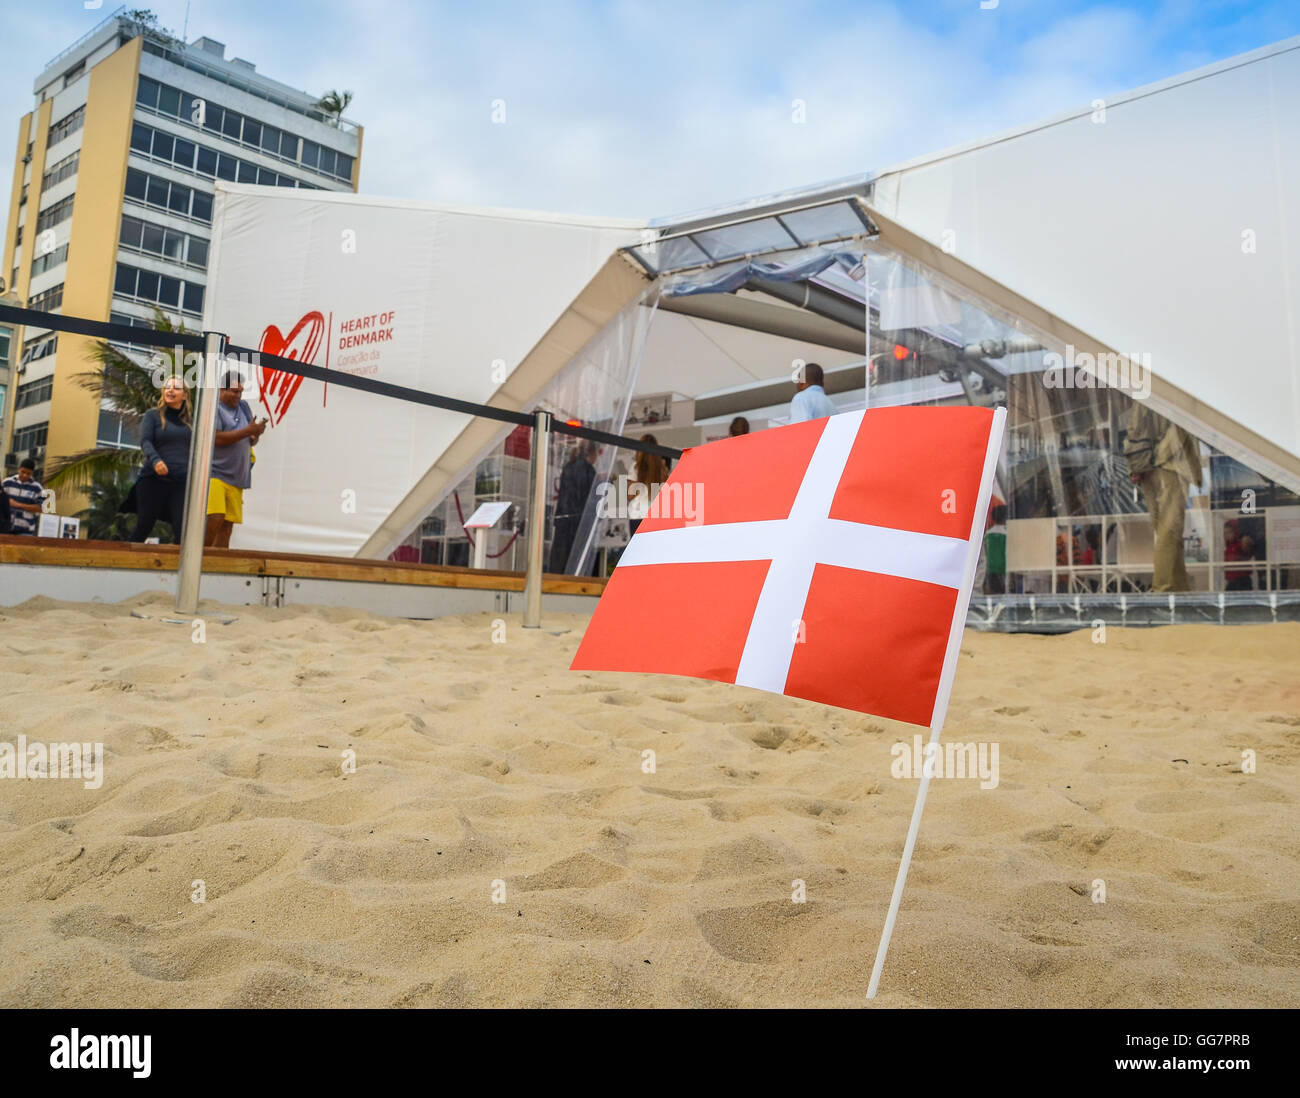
x=1162 y=225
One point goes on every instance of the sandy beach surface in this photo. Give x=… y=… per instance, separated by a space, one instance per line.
x=490 y=771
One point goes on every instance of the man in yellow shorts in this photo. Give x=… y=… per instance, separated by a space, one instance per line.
x=237 y=430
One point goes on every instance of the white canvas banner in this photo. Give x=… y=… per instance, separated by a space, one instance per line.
x=440 y=299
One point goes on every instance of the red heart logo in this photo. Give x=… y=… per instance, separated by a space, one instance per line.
x=301 y=344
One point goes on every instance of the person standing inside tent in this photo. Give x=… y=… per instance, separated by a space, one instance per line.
x=1163 y=460
x=232 y=461
x=651 y=472
x=995 y=552
x=576 y=480
x=810 y=399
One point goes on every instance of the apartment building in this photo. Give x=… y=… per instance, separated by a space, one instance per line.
x=111 y=207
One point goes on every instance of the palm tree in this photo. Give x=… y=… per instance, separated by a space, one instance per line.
x=101 y=520
x=334 y=103
x=130 y=386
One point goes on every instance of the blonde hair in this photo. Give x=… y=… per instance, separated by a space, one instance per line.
x=162 y=401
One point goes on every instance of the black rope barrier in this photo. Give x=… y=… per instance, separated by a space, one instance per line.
x=150 y=337
x=118 y=333
x=615 y=440
x=382 y=388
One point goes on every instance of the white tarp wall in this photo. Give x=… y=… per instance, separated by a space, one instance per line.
x=444 y=299
x=1166 y=223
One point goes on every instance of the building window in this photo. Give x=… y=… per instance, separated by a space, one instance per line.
x=35 y=392
x=117 y=429
x=132 y=322
x=162 y=194
x=142 y=236
x=160 y=289
x=29 y=438
x=49 y=260
x=233 y=126
x=18 y=236
x=146 y=93
x=68 y=124
x=54 y=215
x=169 y=100
x=200 y=159
x=164 y=148
x=57 y=173
x=42 y=348
x=48 y=300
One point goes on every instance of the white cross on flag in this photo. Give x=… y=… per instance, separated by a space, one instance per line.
x=830 y=560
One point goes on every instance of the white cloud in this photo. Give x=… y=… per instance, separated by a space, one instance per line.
x=646 y=109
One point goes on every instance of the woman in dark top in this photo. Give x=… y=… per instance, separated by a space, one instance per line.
x=165 y=440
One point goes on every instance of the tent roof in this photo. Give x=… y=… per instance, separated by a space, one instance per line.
x=1112 y=222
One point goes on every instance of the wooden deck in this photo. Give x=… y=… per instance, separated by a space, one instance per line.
x=163 y=558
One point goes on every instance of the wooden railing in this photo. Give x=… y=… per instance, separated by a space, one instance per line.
x=71 y=553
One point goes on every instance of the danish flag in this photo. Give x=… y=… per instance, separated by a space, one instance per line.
x=830 y=560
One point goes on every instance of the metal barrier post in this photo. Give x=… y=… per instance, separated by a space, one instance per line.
x=537 y=520
x=190 y=570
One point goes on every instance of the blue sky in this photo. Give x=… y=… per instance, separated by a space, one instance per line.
x=646 y=109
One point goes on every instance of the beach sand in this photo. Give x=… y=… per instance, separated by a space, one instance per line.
x=478 y=762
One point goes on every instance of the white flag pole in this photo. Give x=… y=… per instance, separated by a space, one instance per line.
x=926 y=770
x=945 y=686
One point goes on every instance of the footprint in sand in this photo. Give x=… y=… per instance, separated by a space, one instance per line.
x=759 y=933
x=767 y=736
x=747 y=857
x=578 y=871
x=92 y=921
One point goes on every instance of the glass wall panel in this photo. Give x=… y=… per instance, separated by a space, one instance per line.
x=1098 y=490
x=593 y=390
